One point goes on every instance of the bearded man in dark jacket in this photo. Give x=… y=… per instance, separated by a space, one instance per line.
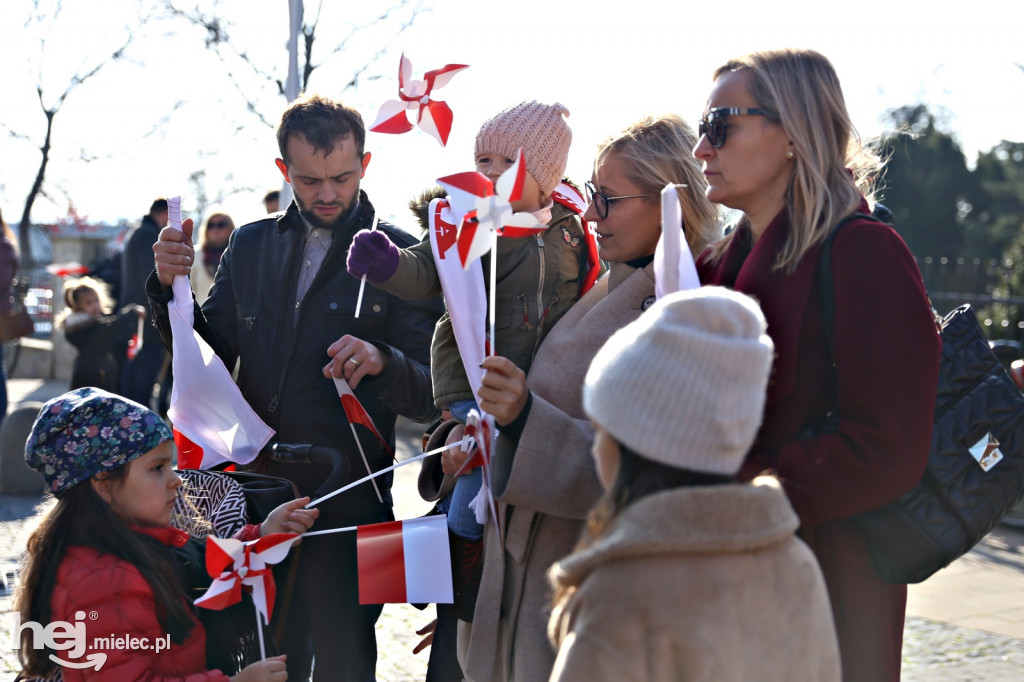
x=282 y=304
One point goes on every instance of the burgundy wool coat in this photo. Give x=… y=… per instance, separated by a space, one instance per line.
x=886 y=348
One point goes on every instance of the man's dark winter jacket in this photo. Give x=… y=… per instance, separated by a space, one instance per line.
x=250 y=316
x=136 y=264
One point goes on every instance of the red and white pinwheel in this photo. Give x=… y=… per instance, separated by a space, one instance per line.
x=233 y=563
x=432 y=116
x=486 y=209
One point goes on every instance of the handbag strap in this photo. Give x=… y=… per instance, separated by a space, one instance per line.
x=826 y=283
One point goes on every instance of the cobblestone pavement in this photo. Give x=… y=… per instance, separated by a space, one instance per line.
x=933 y=651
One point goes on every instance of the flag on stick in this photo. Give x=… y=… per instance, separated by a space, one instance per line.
x=357 y=414
x=210 y=417
x=405 y=562
x=674 y=269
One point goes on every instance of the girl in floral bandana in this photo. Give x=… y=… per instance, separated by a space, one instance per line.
x=106 y=558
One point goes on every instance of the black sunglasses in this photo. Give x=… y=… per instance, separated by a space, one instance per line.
x=602 y=201
x=216 y=224
x=714 y=125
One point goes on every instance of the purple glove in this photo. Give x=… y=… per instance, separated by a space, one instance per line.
x=372 y=254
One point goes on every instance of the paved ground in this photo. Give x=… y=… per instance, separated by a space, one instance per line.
x=964 y=624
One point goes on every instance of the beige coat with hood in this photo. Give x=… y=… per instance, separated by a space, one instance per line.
x=697 y=584
x=545 y=487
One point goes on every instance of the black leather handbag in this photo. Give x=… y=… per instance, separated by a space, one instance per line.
x=975 y=470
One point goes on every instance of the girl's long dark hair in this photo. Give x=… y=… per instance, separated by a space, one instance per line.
x=637 y=478
x=82 y=518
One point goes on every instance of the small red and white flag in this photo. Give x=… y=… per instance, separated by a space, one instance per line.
x=212 y=421
x=357 y=414
x=405 y=562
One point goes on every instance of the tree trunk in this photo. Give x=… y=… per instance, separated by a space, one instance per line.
x=24 y=229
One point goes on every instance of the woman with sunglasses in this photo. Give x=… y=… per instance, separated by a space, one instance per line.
x=212 y=242
x=542 y=473
x=846 y=429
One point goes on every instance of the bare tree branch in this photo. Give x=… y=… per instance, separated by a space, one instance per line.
x=220 y=39
x=158 y=125
x=38 y=190
x=354 y=81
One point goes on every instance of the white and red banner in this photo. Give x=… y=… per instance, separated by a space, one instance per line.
x=405 y=562
x=466 y=301
x=463 y=290
x=212 y=421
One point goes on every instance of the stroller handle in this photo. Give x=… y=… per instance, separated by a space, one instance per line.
x=317 y=454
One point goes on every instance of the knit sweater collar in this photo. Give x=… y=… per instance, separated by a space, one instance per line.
x=684 y=521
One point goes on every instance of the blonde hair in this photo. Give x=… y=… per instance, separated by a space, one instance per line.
x=657 y=151
x=832 y=169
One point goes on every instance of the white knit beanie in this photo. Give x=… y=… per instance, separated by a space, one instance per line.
x=539 y=130
x=684 y=384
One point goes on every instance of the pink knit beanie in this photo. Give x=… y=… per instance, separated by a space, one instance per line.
x=542 y=133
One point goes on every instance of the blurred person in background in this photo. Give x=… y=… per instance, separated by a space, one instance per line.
x=272 y=201
x=8 y=269
x=212 y=241
x=140 y=373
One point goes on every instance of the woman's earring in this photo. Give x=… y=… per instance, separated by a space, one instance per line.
x=790 y=154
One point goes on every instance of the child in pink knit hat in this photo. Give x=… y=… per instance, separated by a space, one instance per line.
x=538 y=278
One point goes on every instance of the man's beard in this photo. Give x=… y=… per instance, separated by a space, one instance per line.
x=316 y=221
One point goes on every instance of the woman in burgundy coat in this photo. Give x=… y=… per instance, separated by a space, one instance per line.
x=777 y=144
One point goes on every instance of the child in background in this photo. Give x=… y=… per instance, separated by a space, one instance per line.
x=682 y=573
x=538 y=280
x=92 y=332
x=106 y=547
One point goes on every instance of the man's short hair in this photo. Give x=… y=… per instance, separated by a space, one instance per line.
x=159 y=206
x=322 y=121
x=272 y=195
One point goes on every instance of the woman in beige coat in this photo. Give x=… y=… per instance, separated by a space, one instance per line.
x=543 y=475
x=684 y=574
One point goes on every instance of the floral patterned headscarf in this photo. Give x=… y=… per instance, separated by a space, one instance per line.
x=86 y=431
